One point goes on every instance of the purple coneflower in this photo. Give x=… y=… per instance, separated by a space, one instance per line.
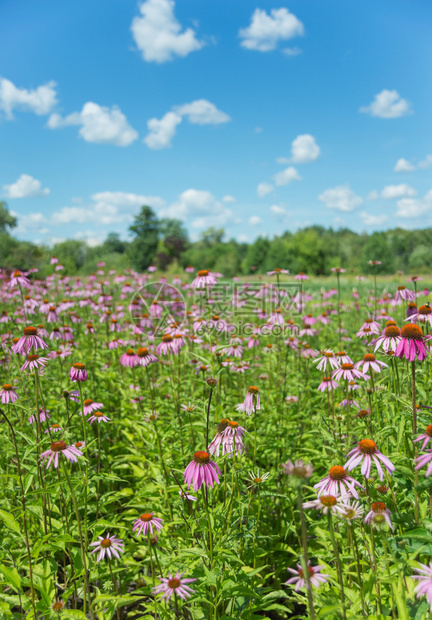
x=8 y=394
x=390 y=339
x=99 y=417
x=54 y=428
x=256 y=479
x=327 y=357
x=278 y=271
x=174 y=585
x=43 y=416
x=301 y=276
x=325 y=503
x=404 y=293
x=167 y=345
x=90 y=406
x=34 y=362
x=145 y=523
x=299 y=469
x=145 y=357
x=327 y=383
x=424 y=459
x=129 y=359
x=369 y=361
x=348 y=371
x=378 y=514
x=57 y=448
x=29 y=340
x=204 y=279
x=424 y=585
x=352 y=510
x=111 y=546
x=365 y=453
x=19 y=279
x=338 y=482
x=316 y=578
x=201 y=470
x=248 y=405
x=78 y=372
x=425 y=437
x=412 y=343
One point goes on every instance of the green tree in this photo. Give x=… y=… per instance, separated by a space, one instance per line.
x=7 y=221
x=113 y=243
x=378 y=248
x=256 y=255
x=143 y=247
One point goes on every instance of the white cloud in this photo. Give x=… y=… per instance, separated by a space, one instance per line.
x=278 y=211
x=255 y=220
x=162 y=131
x=200 y=208
x=373 y=195
x=398 y=191
x=414 y=207
x=107 y=208
x=388 y=104
x=228 y=198
x=263 y=189
x=282 y=160
x=403 y=165
x=292 y=51
x=373 y=220
x=40 y=100
x=304 y=149
x=202 y=112
x=25 y=187
x=30 y=222
x=159 y=35
x=242 y=238
x=425 y=163
x=89 y=237
x=199 y=112
x=266 y=30
x=99 y=124
x=286 y=176
x=341 y=198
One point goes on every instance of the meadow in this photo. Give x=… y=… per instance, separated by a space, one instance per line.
x=213 y=448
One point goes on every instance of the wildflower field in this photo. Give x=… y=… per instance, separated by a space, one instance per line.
x=205 y=448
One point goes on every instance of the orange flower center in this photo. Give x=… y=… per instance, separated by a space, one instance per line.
x=173 y=583
x=147 y=516
x=428 y=430
x=106 y=543
x=347 y=366
x=233 y=424
x=392 y=331
x=201 y=457
x=222 y=425
x=203 y=273
x=79 y=366
x=337 y=473
x=328 y=500
x=87 y=402
x=55 y=426
x=412 y=332
x=142 y=352
x=253 y=390
x=58 y=446
x=30 y=331
x=167 y=338
x=367 y=446
x=425 y=310
x=369 y=357
x=328 y=354
x=378 y=506
x=7 y=386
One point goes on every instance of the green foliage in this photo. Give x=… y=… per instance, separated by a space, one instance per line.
x=7 y=221
x=145 y=229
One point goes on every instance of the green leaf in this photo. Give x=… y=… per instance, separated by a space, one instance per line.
x=9 y=521
x=11 y=576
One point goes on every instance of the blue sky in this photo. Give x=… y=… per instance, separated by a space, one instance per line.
x=252 y=116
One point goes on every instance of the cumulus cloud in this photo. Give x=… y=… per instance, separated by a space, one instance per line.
x=304 y=149
x=200 y=208
x=398 y=191
x=278 y=211
x=30 y=222
x=286 y=176
x=341 y=198
x=228 y=198
x=159 y=35
x=388 y=104
x=291 y=51
x=263 y=189
x=98 y=124
x=425 y=163
x=25 y=187
x=255 y=220
x=403 y=165
x=266 y=30
x=414 y=207
x=373 y=220
x=106 y=208
x=40 y=100
x=199 y=112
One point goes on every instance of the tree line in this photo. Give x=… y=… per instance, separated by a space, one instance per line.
x=166 y=244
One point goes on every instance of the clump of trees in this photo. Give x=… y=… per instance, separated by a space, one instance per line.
x=166 y=244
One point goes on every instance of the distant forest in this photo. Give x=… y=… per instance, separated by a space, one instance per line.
x=165 y=243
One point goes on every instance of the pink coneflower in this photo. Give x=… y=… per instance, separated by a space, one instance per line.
x=327 y=357
x=412 y=343
x=369 y=361
x=378 y=514
x=404 y=293
x=89 y=329
x=424 y=585
x=204 y=279
x=389 y=340
x=60 y=447
x=299 y=469
x=78 y=372
x=189 y=269
x=423 y=315
x=425 y=437
x=29 y=340
x=99 y=417
x=43 y=416
x=54 y=428
x=145 y=357
x=111 y=546
x=338 y=482
x=167 y=346
x=18 y=279
x=277 y=272
x=33 y=362
x=349 y=372
x=187 y=496
x=248 y=405
x=189 y=407
x=316 y=578
x=174 y=585
x=201 y=470
x=326 y=503
x=129 y=359
x=425 y=459
x=301 y=276
x=90 y=406
x=327 y=383
x=8 y=394
x=152 y=268
x=352 y=510
x=71 y=395
x=145 y=523
x=373 y=325
x=365 y=453
x=343 y=358
x=229 y=436
x=291 y=399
